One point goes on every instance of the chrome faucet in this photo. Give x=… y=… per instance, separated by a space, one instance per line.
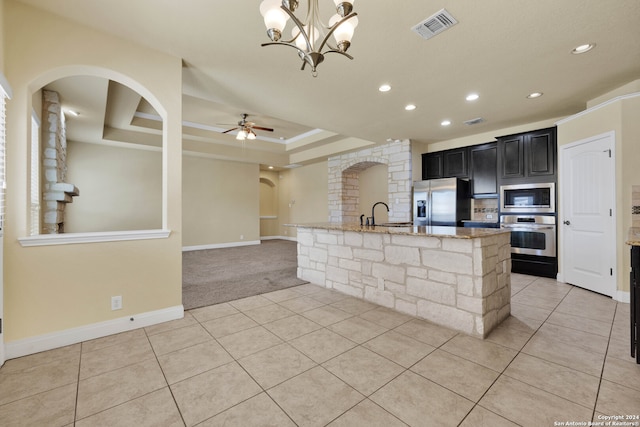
x=373 y=220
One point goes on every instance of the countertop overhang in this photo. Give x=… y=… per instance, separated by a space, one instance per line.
x=633 y=236
x=427 y=231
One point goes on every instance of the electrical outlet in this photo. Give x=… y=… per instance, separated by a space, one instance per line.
x=116 y=303
x=489 y=216
x=242 y=237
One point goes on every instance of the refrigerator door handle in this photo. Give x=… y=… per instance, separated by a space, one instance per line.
x=429 y=206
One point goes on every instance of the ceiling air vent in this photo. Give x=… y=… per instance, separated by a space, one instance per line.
x=435 y=24
x=474 y=121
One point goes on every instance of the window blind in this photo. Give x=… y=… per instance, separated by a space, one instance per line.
x=5 y=93
x=3 y=183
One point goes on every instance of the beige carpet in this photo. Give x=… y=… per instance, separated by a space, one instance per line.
x=213 y=276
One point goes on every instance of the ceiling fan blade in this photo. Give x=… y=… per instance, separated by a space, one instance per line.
x=229 y=130
x=261 y=128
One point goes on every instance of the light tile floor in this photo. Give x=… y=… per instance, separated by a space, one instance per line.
x=308 y=356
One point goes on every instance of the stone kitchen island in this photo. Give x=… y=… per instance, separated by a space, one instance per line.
x=456 y=277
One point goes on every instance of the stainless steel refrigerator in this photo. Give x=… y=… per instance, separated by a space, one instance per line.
x=445 y=201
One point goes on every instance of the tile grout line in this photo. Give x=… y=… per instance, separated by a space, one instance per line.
x=249 y=374
x=604 y=362
x=511 y=361
x=175 y=402
x=75 y=406
x=287 y=342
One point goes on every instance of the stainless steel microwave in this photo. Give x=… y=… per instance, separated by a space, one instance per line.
x=528 y=198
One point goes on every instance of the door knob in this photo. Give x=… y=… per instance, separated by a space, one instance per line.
x=567 y=222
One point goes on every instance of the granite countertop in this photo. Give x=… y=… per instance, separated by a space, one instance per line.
x=484 y=221
x=429 y=231
x=633 y=236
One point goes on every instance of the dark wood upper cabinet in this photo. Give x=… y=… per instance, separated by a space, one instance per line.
x=514 y=159
x=456 y=163
x=446 y=164
x=512 y=156
x=541 y=151
x=432 y=165
x=526 y=156
x=484 y=170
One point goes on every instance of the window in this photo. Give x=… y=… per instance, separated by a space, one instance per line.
x=5 y=92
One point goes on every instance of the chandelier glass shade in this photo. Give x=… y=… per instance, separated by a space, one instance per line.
x=310 y=37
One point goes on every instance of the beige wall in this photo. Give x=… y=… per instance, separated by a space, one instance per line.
x=2 y=37
x=53 y=288
x=620 y=116
x=120 y=188
x=221 y=201
x=374 y=187
x=269 y=204
x=306 y=191
x=284 y=211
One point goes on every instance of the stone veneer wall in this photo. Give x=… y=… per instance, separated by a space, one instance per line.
x=344 y=187
x=464 y=284
x=56 y=193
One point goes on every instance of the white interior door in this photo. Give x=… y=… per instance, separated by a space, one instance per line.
x=587 y=179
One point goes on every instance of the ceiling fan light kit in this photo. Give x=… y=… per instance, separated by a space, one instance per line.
x=246 y=129
x=307 y=33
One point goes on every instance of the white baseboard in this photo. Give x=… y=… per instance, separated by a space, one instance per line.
x=622 y=296
x=293 y=239
x=220 y=245
x=53 y=340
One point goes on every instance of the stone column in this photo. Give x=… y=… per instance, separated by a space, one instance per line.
x=56 y=192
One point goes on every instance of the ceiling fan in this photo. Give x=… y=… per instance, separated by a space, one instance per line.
x=246 y=129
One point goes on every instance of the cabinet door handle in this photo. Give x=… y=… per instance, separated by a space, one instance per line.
x=567 y=222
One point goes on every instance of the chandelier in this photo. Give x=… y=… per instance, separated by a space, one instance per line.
x=310 y=37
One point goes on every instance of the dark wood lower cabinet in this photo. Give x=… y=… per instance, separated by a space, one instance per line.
x=534 y=265
x=634 y=287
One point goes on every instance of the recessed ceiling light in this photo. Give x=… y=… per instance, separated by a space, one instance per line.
x=445 y=123
x=410 y=107
x=534 y=95
x=384 y=88
x=270 y=167
x=73 y=113
x=472 y=97
x=583 y=48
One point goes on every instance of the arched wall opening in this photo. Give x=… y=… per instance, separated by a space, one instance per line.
x=142 y=207
x=344 y=183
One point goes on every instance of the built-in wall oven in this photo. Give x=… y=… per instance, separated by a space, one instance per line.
x=529 y=212
x=531 y=234
x=533 y=244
